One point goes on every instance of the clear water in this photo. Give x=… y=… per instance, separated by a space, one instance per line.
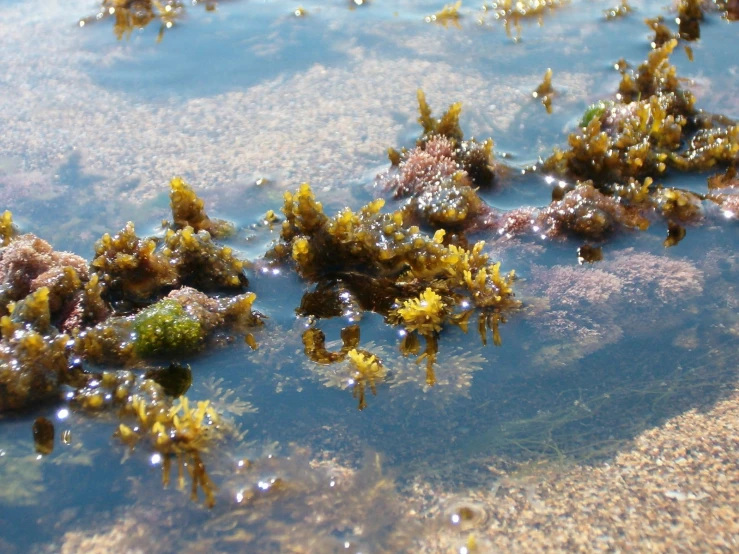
x=550 y=393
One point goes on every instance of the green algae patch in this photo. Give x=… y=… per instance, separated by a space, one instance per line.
x=165 y=329
x=595 y=111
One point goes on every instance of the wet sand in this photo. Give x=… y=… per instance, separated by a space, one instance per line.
x=675 y=490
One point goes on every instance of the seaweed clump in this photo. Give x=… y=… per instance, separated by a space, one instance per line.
x=151 y=417
x=34 y=358
x=380 y=245
x=176 y=432
x=376 y=256
x=129 y=15
x=114 y=311
x=137 y=270
x=28 y=263
x=634 y=137
x=440 y=176
x=622 y=145
x=189 y=210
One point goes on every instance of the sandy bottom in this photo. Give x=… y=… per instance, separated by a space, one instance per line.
x=675 y=490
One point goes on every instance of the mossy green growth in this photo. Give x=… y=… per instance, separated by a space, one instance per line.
x=165 y=329
x=595 y=111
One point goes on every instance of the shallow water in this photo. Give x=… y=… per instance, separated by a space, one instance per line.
x=96 y=126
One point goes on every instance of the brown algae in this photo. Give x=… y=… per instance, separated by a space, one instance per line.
x=545 y=91
x=439 y=177
x=448 y=14
x=130 y=15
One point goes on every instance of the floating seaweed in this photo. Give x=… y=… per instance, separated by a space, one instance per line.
x=621 y=10
x=129 y=15
x=448 y=14
x=545 y=91
x=512 y=12
x=439 y=177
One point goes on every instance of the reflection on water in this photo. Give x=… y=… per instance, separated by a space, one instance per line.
x=598 y=353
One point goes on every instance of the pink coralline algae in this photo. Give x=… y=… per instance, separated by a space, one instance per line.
x=29 y=263
x=587 y=211
x=423 y=167
x=591 y=307
x=646 y=277
x=583 y=211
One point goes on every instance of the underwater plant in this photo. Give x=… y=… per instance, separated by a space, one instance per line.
x=380 y=246
x=177 y=432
